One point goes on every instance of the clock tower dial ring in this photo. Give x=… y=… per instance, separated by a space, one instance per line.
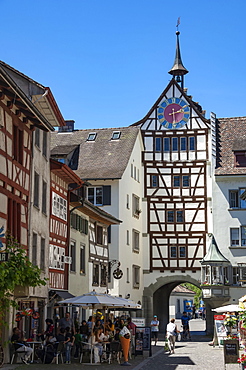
x=173 y=113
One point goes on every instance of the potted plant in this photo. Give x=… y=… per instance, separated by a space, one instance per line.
x=242 y=360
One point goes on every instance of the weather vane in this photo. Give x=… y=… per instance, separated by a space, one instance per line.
x=178 y=23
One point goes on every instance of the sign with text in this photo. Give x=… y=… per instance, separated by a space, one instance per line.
x=138 y=321
x=220 y=329
x=231 y=351
x=4 y=257
x=143 y=340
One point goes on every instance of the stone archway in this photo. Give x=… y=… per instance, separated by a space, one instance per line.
x=156 y=297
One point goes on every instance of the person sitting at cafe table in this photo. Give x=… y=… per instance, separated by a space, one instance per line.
x=66 y=322
x=20 y=345
x=84 y=330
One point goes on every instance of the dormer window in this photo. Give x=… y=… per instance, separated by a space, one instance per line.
x=92 y=136
x=116 y=135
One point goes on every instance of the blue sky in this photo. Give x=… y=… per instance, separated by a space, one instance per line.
x=107 y=61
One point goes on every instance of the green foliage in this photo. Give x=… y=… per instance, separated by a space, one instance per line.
x=196 y=290
x=17 y=271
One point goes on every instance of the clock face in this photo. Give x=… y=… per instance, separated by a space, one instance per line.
x=173 y=113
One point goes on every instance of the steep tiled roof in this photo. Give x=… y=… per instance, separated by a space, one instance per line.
x=231 y=136
x=182 y=289
x=103 y=158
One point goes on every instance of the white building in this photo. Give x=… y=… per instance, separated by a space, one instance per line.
x=110 y=161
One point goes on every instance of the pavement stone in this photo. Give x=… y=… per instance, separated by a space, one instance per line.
x=195 y=354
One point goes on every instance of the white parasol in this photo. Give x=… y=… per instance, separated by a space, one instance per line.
x=228 y=308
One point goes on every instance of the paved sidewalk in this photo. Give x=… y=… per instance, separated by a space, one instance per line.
x=189 y=355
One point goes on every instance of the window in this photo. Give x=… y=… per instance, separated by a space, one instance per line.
x=135 y=240
x=243 y=235
x=235 y=199
x=82 y=258
x=180 y=217
x=154 y=181
x=158 y=144
x=42 y=254
x=186 y=180
x=116 y=135
x=37 y=137
x=109 y=234
x=176 y=181
x=173 y=251
x=92 y=136
x=175 y=146
x=79 y=223
x=183 y=143
x=182 y=252
x=127 y=201
x=14 y=219
x=127 y=237
x=59 y=206
x=45 y=144
x=192 y=143
x=240 y=159
x=99 y=195
x=234 y=237
x=36 y=189
x=44 y=197
x=18 y=144
x=34 y=248
x=135 y=206
x=170 y=216
x=127 y=275
x=73 y=256
x=103 y=275
x=95 y=277
x=136 y=276
x=99 y=234
x=166 y=144
x=56 y=257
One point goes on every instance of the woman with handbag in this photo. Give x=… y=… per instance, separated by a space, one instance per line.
x=172 y=332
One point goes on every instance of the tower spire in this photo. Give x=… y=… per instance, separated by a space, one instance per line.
x=178 y=70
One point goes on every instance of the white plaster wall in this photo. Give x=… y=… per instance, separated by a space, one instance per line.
x=39 y=222
x=78 y=283
x=224 y=218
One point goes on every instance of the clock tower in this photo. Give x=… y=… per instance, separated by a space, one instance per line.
x=177 y=164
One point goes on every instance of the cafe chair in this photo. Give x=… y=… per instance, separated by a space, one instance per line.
x=14 y=353
x=114 y=352
x=59 y=352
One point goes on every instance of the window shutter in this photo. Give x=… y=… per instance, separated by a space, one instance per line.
x=107 y=195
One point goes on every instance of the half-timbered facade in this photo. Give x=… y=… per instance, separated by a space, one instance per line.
x=61 y=177
x=176 y=167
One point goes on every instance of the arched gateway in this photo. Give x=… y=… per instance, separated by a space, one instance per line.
x=156 y=297
x=177 y=164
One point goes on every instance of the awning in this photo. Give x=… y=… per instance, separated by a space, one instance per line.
x=63 y=294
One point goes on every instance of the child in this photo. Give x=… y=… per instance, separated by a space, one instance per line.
x=69 y=341
x=77 y=342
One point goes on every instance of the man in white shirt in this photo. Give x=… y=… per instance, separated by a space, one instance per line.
x=155 y=328
x=171 y=335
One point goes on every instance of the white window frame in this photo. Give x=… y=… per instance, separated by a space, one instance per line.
x=59 y=206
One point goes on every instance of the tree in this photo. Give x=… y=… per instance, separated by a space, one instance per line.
x=16 y=271
x=195 y=289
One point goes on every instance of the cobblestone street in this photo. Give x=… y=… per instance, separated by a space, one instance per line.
x=195 y=354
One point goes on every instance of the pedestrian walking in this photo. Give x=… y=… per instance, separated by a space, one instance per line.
x=171 y=334
x=155 y=328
